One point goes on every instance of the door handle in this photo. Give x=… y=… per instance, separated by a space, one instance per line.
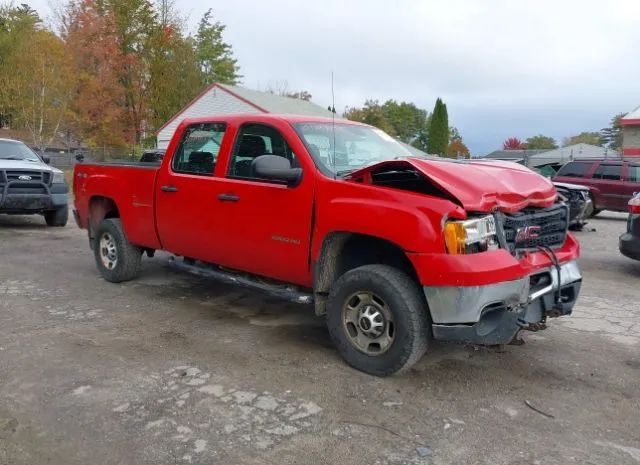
x=169 y=189
x=228 y=198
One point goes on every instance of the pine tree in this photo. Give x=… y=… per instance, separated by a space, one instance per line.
x=215 y=56
x=439 y=130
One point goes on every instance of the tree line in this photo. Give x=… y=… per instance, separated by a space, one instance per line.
x=609 y=137
x=429 y=132
x=109 y=73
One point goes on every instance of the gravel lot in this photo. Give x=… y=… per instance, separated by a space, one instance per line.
x=172 y=369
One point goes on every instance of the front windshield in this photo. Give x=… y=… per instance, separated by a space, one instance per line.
x=348 y=147
x=10 y=150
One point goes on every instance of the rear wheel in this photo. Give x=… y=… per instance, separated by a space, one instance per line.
x=377 y=317
x=116 y=259
x=57 y=217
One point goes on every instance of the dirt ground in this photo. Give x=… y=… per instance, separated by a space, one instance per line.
x=173 y=369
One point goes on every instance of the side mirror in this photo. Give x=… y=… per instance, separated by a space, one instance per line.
x=79 y=158
x=45 y=159
x=276 y=168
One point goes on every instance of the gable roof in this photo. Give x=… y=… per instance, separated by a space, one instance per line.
x=572 y=152
x=263 y=102
x=512 y=154
x=631 y=118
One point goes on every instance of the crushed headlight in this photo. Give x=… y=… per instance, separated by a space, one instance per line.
x=471 y=236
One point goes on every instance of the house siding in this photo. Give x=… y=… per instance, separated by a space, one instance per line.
x=631 y=141
x=214 y=102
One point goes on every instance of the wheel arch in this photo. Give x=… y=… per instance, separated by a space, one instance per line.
x=342 y=251
x=100 y=208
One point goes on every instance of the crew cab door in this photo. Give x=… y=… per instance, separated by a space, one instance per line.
x=268 y=223
x=188 y=219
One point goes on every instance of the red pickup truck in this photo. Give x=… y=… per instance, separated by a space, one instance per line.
x=395 y=249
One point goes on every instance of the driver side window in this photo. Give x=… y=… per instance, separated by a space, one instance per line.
x=253 y=141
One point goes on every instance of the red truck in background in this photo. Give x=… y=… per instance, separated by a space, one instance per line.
x=395 y=249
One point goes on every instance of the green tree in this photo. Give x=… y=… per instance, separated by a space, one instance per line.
x=591 y=138
x=540 y=142
x=410 y=124
x=612 y=135
x=41 y=88
x=371 y=113
x=169 y=91
x=438 y=129
x=17 y=25
x=404 y=120
x=214 y=55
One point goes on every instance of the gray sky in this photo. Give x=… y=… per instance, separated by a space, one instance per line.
x=504 y=67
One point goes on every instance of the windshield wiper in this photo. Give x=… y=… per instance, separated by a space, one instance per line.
x=11 y=158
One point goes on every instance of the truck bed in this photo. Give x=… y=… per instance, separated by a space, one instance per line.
x=130 y=185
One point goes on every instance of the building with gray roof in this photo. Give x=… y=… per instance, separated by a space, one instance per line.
x=223 y=99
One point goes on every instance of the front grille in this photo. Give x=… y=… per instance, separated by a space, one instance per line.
x=36 y=176
x=32 y=182
x=533 y=227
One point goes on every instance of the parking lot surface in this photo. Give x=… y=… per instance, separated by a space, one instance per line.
x=174 y=369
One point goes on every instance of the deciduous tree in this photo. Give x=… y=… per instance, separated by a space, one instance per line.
x=41 y=89
x=513 y=143
x=457 y=149
x=591 y=138
x=100 y=114
x=540 y=142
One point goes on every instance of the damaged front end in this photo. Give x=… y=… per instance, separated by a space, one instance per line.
x=495 y=313
x=508 y=263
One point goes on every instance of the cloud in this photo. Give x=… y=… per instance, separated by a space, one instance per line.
x=505 y=68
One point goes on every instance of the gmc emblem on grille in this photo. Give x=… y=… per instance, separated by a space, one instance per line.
x=24 y=177
x=527 y=233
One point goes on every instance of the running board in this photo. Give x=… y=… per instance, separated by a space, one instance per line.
x=284 y=291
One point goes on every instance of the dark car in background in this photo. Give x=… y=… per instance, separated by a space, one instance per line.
x=612 y=182
x=578 y=198
x=630 y=240
x=152 y=156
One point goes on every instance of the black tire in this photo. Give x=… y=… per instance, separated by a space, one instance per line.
x=57 y=218
x=405 y=302
x=128 y=258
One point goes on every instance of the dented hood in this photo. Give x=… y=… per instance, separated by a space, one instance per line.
x=478 y=185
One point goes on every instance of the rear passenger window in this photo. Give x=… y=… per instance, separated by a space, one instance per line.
x=574 y=169
x=198 y=149
x=634 y=173
x=608 y=172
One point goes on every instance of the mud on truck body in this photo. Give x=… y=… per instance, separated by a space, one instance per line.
x=394 y=250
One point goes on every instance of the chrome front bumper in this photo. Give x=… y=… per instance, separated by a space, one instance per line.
x=493 y=314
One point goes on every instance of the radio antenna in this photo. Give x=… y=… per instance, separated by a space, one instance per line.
x=333 y=124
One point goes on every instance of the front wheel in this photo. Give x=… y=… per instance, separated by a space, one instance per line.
x=378 y=319
x=116 y=259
